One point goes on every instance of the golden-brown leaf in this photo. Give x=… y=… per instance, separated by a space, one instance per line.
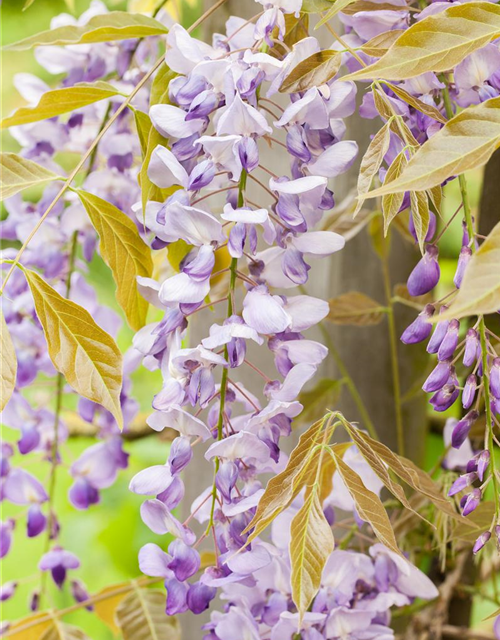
x=30 y=628
x=296 y=29
x=59 y=101
x=313 y=71
x=85 y=354
x=62 y=631
x=391 y=202
x=124 y=251
x=467 y=141
x=423 y=107
x=366 y=5
x=141 y=616
x=8 y=364
x=372 y=161
x=107 y=600
x=338 y=6
x=419 y=206
x=377 y=46
x=437 y=43
x=368 y=506
x=355 y=308
x=18 y=173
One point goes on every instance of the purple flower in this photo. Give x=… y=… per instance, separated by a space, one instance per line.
x=185 y=560
x=80 y=593
x=199 y=597
x=461 y=431
x=481 y=541
x=463 y=261
x=445 y=397
x=462 y=482
x=483 y=461
x=58 y=561
x=472 y=347
x=36 y=521
x=470 y=502
x=495 y=378
x=439 y=333
x=439 y=376
x=176 y=596
x=180 y=454
x=226 y=478
x=420 y=328
x=449 y=342
x=6 y=529
x=425 y=275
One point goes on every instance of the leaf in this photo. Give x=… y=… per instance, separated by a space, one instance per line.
x=427 y=109
x=125 y=253
x=371 y=162
x=9 y=364
x=143 y=125
x=338 y=6
x=435 y=195
x=282 y=488
x=107 y=27
x=398 y=125
x=368 y=505
x=316 y=6
x=30 y=628
x=160 y=84
x=377 y=46
x=419 y=206
x=436 y=43
x=107 y=601
x=467 y=141
x=18 y=173
x=313 y=71
x=311 y=544
x=401 y=291
x=391 y=202
x=79 y=349
x=381 y=244
x=366 y=5
x=28 y=4
x=480 y=289
x=480 y=518
x=296 y=29
x=324 y=395
x=61 y=631
x=356 y=309
x=58 y=101
x=141 y=616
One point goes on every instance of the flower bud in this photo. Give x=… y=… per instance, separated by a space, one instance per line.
x=469 y=391
x=483 y=461
x=445 y=397
x=463 y=261
x=439 y=333
x=180 y=455
x=420 y=328
x=7 y=590
x=226 y=478
x=425 y=275
x=461 y=483
x=462 y=428
x=450 y=341
x=35 y=522
x=495 y=378
x=34 y=601
x=438 y=377
x=80 y=593
x=481 y=541
x=470 y=502
x=472 y=347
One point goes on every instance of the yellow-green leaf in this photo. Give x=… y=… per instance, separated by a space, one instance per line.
x=159 y=86
x=391 y=202
x=467 y=141
x=371 y=162
x=143 y=125
x=419 y=206
x=8 y=363
x=30 y=628
x=28 y=4
x=313 y=71
x=366 y=5
x=368 y=505
x=316 y=6
x=18 y=173
x=107 y=27
x=311 y=544
x=85 y=354
x=62 y=631
x=436 y=197
x=480 y=289
x=59 y=101
x=436 y=43
x=428 y=109
x=141 y=616
x=125 y=253
x=338 y=6
x=319 y=399
x=355 y=308
x=377 y=46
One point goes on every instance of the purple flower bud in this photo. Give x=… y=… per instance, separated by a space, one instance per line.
x=201 y=176
x=420 y=328
x=186 y=560
x=469 y=391
x=438 y=377
x=450 y=341
x=180 y=454
x=425 y=275
x=176 y=596
x=199 y=597
x=80 y=593
x=439 y=333
x=472 y=347
x=34 y=601
x=495 y=378
x=7 y=590
x=462 y=428
x=248 y=153
x=470 y=501
x=430 y=231
x=36 y=521
x=463 y=261
x=472 y=464
x=445 y=397
x=226 y=478
x=481 y=541
x=461 y=483
x=6 y=529
x=483 y=461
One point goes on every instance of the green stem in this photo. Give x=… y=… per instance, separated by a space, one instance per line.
x=393 y=346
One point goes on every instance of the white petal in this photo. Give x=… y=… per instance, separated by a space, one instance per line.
x=165 y=170
x=306 y=311
x=264 y=312
x=335 y=160
x=182 y=289
x=171 y=121
x=319 y=243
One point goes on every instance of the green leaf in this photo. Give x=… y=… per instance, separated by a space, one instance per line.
x=467 y=141
x=125 y=253
x=58 y=101
x=160 y=84
x=107 y=27
x=284 y=487
x=312 y=72
x=79 y=349
x=8 y=363
x=311 y=544
x=391 y=202
x=143 y=125
x=377 y=46
x=372 y=161
x=316 y=6
x=355 y=309
x=338 y=6
x=317 y=401
x=62 y=631
x=419 y=206
x=427 y=109
x=480 y=289
x=141 y=616
x=368 y=505
x=436 y=43
x=18 y=173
